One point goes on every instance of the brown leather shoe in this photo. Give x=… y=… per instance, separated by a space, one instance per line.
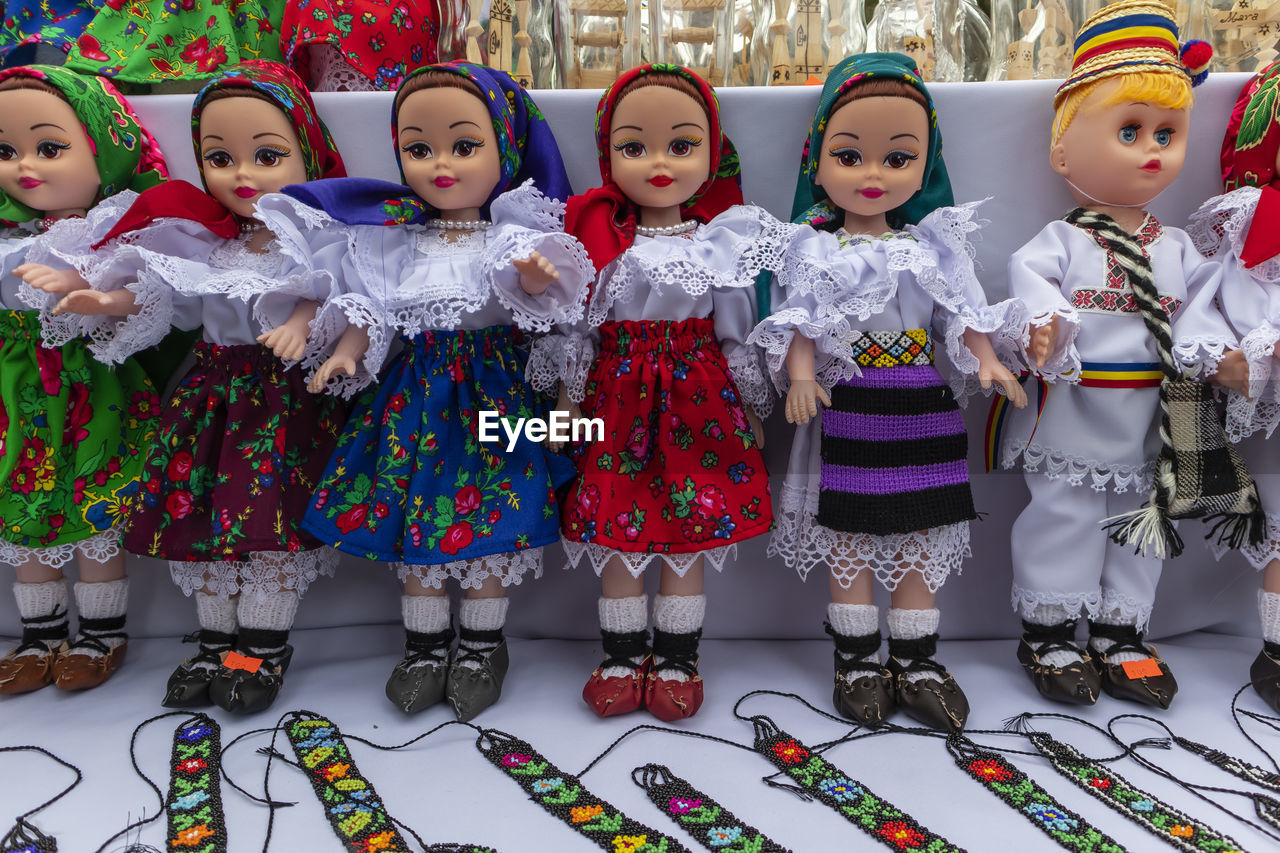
x=1075 y=683
x=27 y=672
x=1265 y=674
x=76 y=670
x=1146 y=681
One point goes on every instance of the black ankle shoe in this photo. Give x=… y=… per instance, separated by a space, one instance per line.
x=1076 y=683
x=863 y=686
x=1149 y=682
x=242 y=691
x=1265 y=674
x=188 y=686
x=936 y=701
x=419 y=679
x=472 y=688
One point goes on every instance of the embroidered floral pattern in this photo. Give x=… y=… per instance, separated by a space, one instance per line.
x=1116 y=301
x=877 y=817
x=1162 y=820
x=55 y=22
x=570 y=802
x=194 y=804
x=382 y=39
x=710 y=823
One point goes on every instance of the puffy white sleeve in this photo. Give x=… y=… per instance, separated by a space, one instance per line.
x=1201 y=335
x=734 y=317
x=1036 y=275
x=16 y=295
x=564 y=356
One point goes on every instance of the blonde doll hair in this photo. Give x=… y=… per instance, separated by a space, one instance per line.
x=1159 y=88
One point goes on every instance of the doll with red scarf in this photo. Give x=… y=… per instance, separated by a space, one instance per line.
x=1242 y=229
x=678 y=479
x=242 y=442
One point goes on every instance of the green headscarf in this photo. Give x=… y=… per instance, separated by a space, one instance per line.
x=128 y=157
x=811 y=205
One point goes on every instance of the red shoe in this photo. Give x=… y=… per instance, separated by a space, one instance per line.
x=610 y=697
x=671 y=700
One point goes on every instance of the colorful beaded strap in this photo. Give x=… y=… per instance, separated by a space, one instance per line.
x=1162 y=820
x=1023 y=795
x=878 y=818
x=1237 y=767
x=567 y=799
x=194 y=804
x=710 y=823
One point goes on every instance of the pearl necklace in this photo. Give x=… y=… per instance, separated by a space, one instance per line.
x=686 y=227
x=43 y=225
x=249 y=226
x=458 y=224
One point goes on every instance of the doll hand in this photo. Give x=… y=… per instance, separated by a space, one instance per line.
x=1008 y=383
x=287 y=342
x=536 y=274
x=337 y=365
x=1042 y=341
x=50 y=280
x=757 y=427
x=1233 y=373
x=113 y=303
x=802 y=400
x=564 y=404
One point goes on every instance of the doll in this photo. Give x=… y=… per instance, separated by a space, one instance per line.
x=359 y=45
x=241 y=443
x=457 y=265
x=42 y=32
x=74 y=432
x=889 y=259
x=1096 y=283
x=1239 y=228
x=665 y=335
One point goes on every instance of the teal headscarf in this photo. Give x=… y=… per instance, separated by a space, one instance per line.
x=811 y=205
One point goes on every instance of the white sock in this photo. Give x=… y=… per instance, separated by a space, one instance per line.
x=481 y=614
x=914 y=625
x=623 y=616
x=855 y=620
x=104 y=600
x=216 y=613
x=37 y=602
x=678 y=614
x=1269 y=610
x=1054 y=614
x=425 y=614
x=272 y=611
x=1102 y=643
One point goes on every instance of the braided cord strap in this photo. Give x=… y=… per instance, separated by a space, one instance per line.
x=1021 y=793
x=1160 y=819
x=565 y=797
x=1268 y=808
x=876 y=817
x=710 y=823
x=194 y=805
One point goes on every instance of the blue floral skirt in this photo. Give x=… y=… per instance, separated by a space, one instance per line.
x=411 y=481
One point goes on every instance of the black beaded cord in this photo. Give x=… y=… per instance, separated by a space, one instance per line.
x=194 y=806
x=564 y=797
x=714 y=826
x=24 y=836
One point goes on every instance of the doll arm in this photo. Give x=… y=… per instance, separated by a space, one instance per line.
x=541 y=277
x=288 y=341
x=805 y=393
x=733 y=317
x=1036 y=275
x=347 y=355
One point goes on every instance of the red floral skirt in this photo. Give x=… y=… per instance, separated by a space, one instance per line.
x=241 y=447
x=678 y=470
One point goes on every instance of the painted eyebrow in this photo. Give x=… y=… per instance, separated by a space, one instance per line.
x=211 y=136
x=49 y=124
x=903 y=136
x=411 y=127
x=270 y=133
x=628 y=127
x=686 y=124
x=464 y=121
x=845 y=133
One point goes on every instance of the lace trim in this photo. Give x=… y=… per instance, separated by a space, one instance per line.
x=264 y=573
x=566 y=297
x=526 y=205
x=830 y=333
x=1005 y=323
x=333 y=318
x=99 y=548
x=1200 y=354
x=1222 y=224
x=1260 y=411
x=1260 y=555
x=748 y=376
x=1125 y=608
x=1075 y=468
x=563 y=358
x=509 y=568
x=1063 y=364
x=599 y=555
x=331 y=73
x=115 y=339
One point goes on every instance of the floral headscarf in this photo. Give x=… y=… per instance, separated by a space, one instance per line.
x=604 y=219
x=127 y=156
x=527 y=150
x=811 y=205
x=1249 y=160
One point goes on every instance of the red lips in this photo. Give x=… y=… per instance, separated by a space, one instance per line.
x=444 y=181
x=246 y=192
x=29 y=183
x=1153 y=166
x=871 y=192
x=662 y=180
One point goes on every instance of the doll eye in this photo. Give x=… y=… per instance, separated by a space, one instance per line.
x=1163 y=137
x=8 y=152
x=50 y=149
x=630 y=150
x=218 y=159
x=467 y=147
x=269 y=156
x=847 y=156
x=1129 y=133
x=900 y=159
x=417 y=150
x=683 y=146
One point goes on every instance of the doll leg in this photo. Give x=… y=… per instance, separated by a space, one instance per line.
x=419 y=679
x=188 y=686
x=1265 y=671
x=102 y=596
x=477 y=672
x=673 y=689
x=1058 y=553
x=41 y=595
x=863 y=686
x=617 y=685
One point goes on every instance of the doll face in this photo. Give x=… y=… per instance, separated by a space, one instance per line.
x=1121 y=154
x=658 y=149
x=46 y=160
x=873 y=155
x=448 y=149
x=247 y=148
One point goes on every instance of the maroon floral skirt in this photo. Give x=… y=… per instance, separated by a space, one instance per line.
x=241 y=446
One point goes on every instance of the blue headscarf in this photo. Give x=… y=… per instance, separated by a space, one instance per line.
x=526 y=150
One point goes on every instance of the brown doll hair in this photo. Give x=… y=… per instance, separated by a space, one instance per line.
x=879 y=87
x=670 y=81
x=34 y=85
x=434 y=80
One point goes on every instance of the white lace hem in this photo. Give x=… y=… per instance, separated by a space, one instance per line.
x=1063 y=364
x=331 y=321
x=563 y=302
x=331 y=73
x=1004 y=323
x=1261 y=410
x=557 y=358
x=1124 y=609
x=1200 y=354
x=637 y=562
x=1260 y=555
x=748 y=376
x=1221 y=226
x=1055 y=464
x=509 y=568
x=99 y=548
x=264 y=573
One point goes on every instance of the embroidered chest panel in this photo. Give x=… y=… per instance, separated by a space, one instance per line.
x=1116 y=296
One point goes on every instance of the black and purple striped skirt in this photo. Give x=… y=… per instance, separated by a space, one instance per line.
x=893 y=453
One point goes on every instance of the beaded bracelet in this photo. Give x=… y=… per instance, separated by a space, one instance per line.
x=878 y=818
x=565 y=797
x=1160 y=819
x=1021 y=793
x=710 y=823
x=194 y=805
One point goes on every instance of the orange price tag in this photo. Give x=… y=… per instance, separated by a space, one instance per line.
x=235 y=660
x=1145 y=668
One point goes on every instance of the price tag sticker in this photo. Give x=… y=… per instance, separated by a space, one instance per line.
x=235 y=660
x=1145 y=668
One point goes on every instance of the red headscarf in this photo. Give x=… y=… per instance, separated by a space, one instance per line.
x=1249 y=160
x=604 y=219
